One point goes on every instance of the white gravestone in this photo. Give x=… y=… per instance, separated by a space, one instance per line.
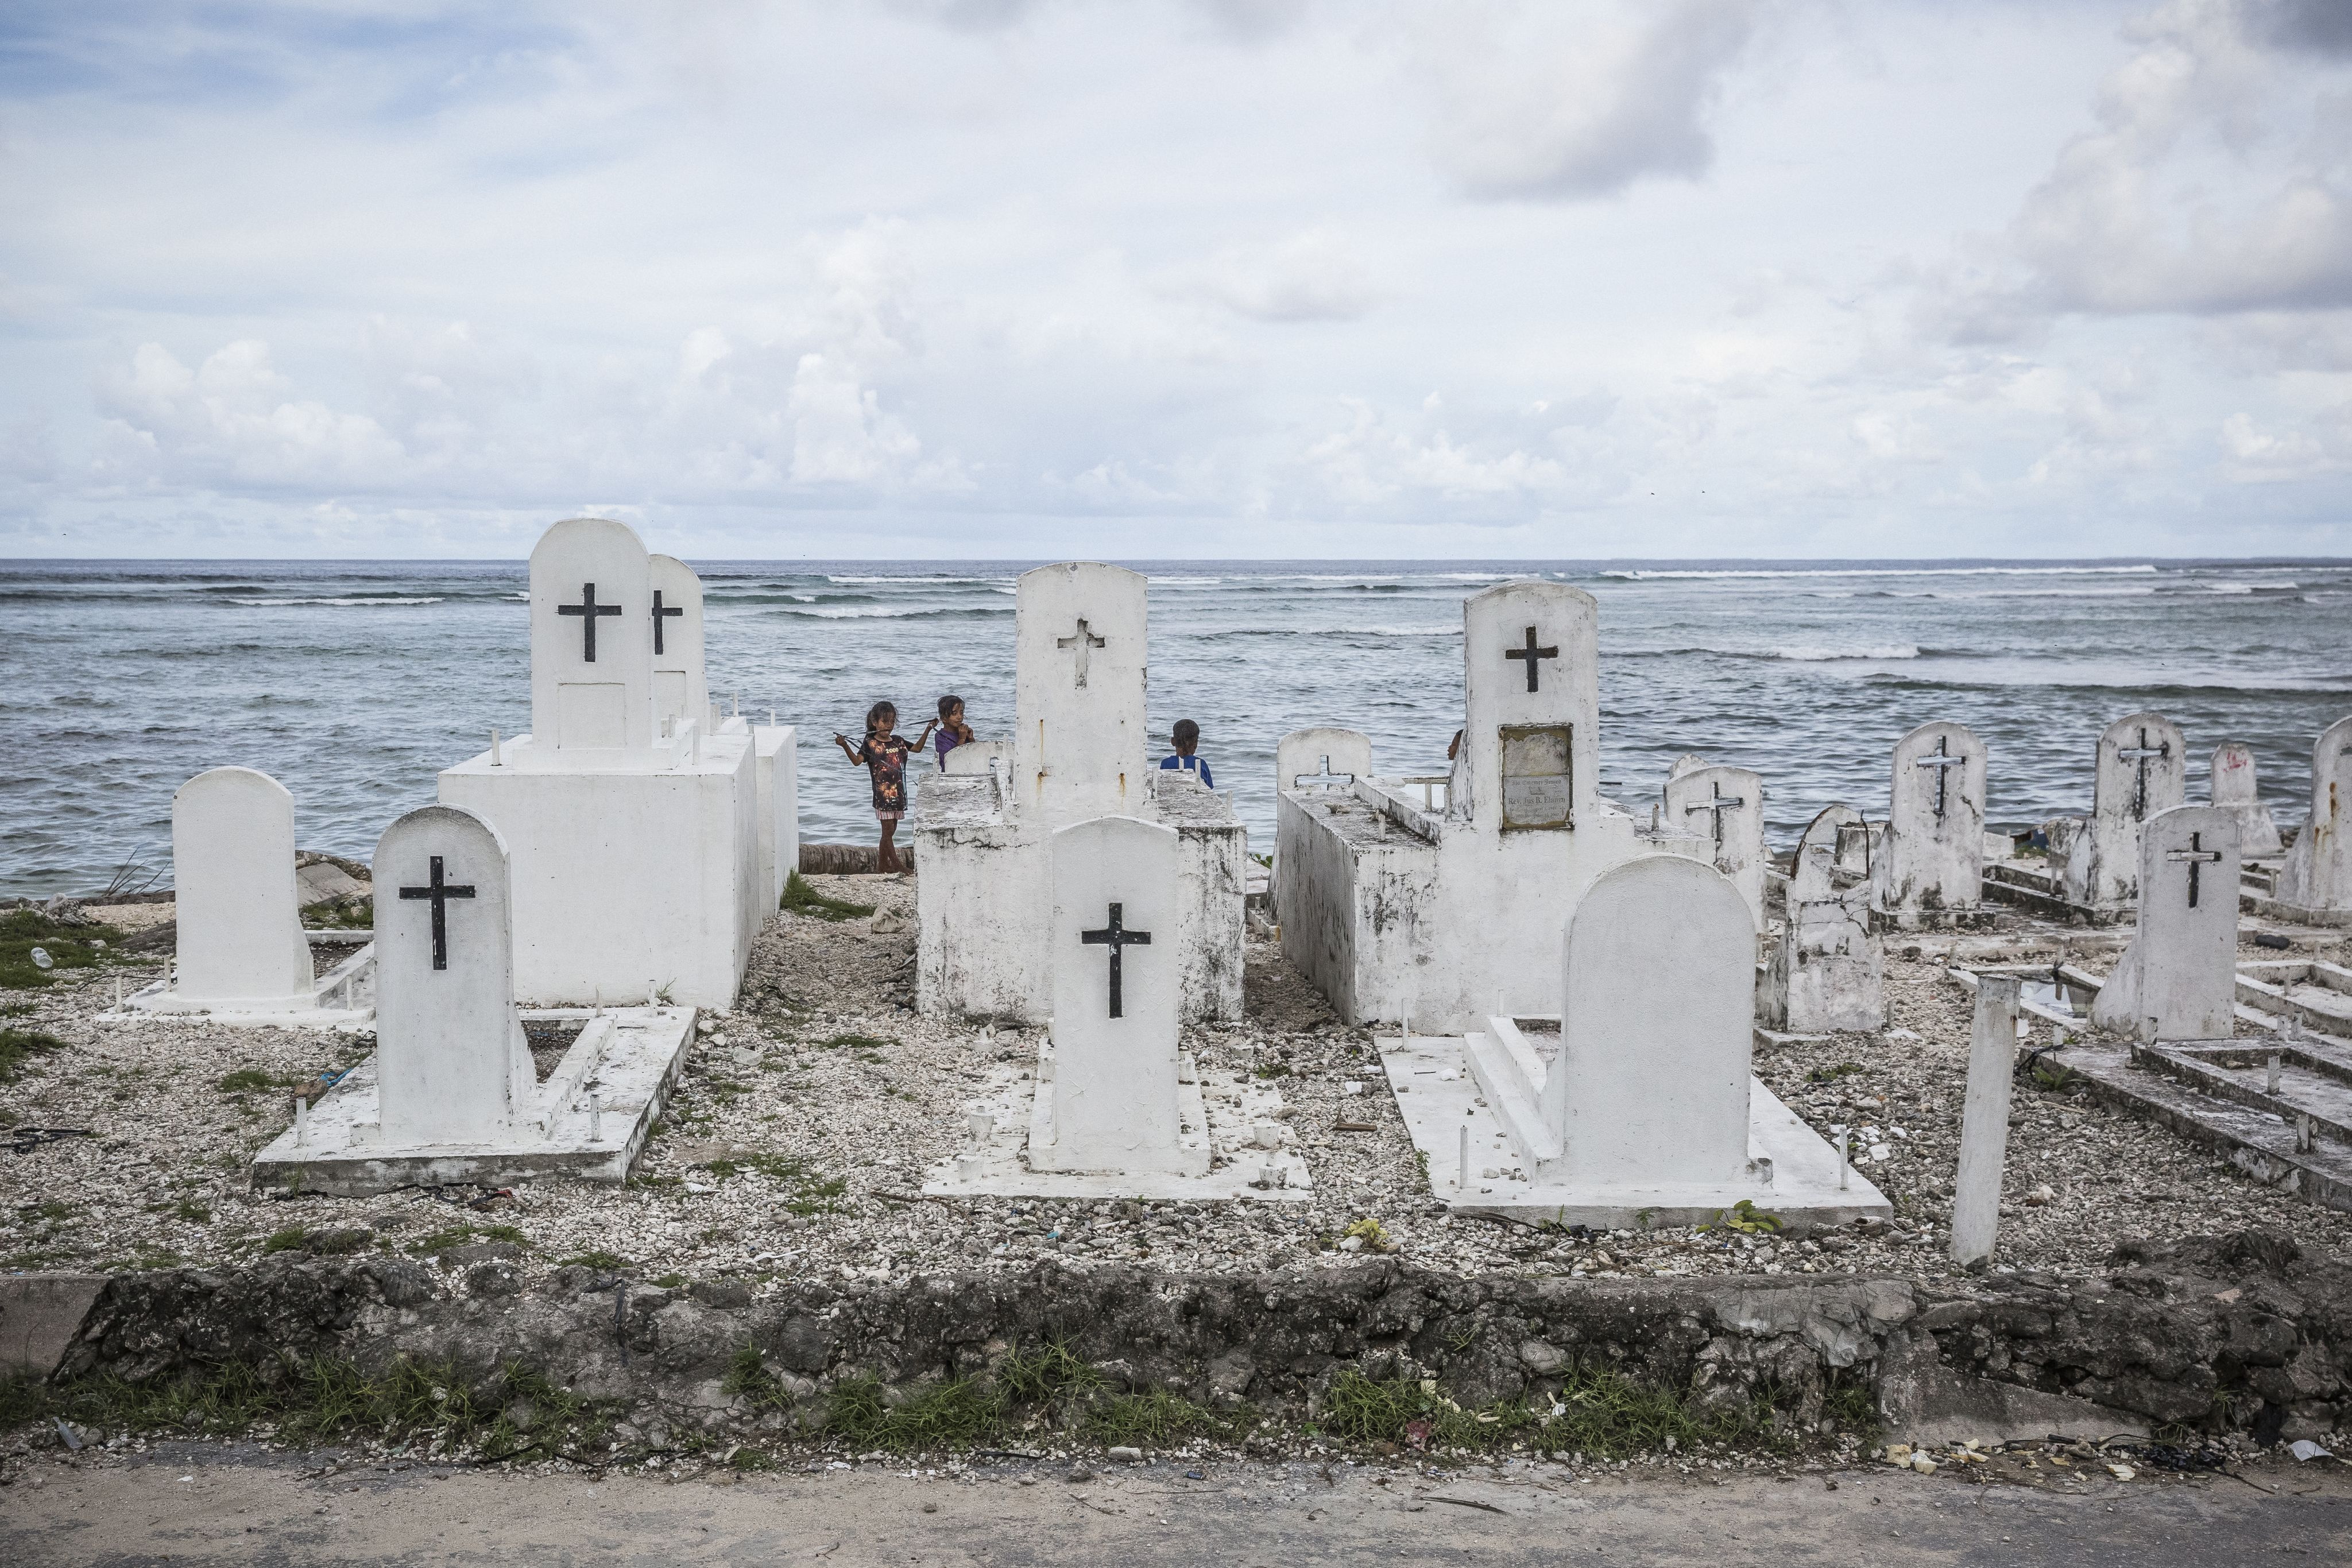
x=1812 y=871
x=2235 y=786
x=1112 y=1104
x=1078 y=686
x=1930 y=859
x=2317 y=876
x=776 y=754
x=1531 y=750
x=2178 y=979
x=2142 y=769
x=452 y=1066
x=1984 y=1121
x=240 y=919
x=1825 y=972
x=591 y=639
x=1321 y=757
x=1725 y=806
x=681 y=689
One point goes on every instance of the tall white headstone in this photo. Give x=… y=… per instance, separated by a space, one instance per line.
x=2318 y=871
x=240 y=917
x=1725 y=806
x=2235 y=786
x=452 y=1066
x=1114 y=1099
x=1825 y=972
x=2178 y=979
x=1321 y=757
x=1651 y=1085
x=592 y=644
x=681 y=690
x=1984 y=1121
x=1530 y=745
x=2142 y=770
x=1078 y=691
x=1812 y=871
x=1931 y=856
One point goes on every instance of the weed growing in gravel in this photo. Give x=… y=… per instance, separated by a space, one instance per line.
x=19 y=1046
x=1602 y=1414
x=247 y=1079
x=289 y=1239
x=340 y=914
x=854 y=1042
x=1155 y=1419
x=800 y=898
x=956 y=1414
x=67 y=946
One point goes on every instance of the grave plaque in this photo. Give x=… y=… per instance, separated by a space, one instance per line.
x=1537 y=788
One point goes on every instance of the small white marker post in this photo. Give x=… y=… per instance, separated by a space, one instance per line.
x=2271 y=1075
x=1984 y=1121
x=1846 y=1153
x=495 y=761
x=301 y=1119
x=1463 y=1149
x=596 y=1117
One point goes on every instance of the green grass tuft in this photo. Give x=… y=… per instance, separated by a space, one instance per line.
x=611 y=1262
x=68 y=947
x=247 y=1079
x=19 y=1046
x=800 y=898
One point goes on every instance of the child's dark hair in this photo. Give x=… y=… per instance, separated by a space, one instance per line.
x=1187 y=735
x=873 y=715
x=949 y=703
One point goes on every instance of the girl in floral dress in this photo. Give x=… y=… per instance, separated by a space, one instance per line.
x=884 y=756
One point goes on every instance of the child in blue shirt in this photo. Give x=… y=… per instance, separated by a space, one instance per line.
x=1187 y=736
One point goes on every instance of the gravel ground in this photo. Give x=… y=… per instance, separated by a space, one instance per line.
x=808 y=1117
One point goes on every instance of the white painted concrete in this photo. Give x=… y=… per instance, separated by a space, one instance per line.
x=982 y=834
x=681 y=687
x=1108 y=1101
x=2178 y=979
x=1723 y=806
x=2235 y=786
x=1826 y=971
x=1321 y=757
x=1398 y=907
x=2317 y=875
x=2141 y=770
x=240 y=922
x=1930 y=859
x=775 y=750
x=452 y=1064
x=1984 y=1120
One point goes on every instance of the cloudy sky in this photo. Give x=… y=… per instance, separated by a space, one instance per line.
x=1179 y=277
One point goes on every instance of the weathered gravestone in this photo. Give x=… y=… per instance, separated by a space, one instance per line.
x=1725 y=806
x=2141 y=770
x=1813 y=869
x=451 y=1094
x=1323 y=757
x=1928 y=865
x=984 y=899
x=1643 y=1110
x=1825 y=972
x=2317 y=881
x=2178 y=979
x=2235 y=787
x=681 y=687
x=240 y=922
x=1109 y=1099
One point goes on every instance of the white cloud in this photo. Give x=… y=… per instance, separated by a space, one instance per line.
x=1309 y=277
x=233 y=418
x=1576 y=99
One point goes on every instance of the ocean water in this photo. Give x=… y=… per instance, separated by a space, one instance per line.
x=352 y=682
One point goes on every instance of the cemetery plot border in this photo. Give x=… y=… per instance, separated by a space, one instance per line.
x=342 y=998
x=594 y=1115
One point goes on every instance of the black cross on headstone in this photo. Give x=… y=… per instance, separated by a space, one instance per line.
x=1084 y=640
x=1531 y=653
x=1115 y=936
x=440 y=893
x=2139 y=757
x=588 y=609
x=659 y=613
x=1942 y=761
x=2196 y=857
x=1718 y=803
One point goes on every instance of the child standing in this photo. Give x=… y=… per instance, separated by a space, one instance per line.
x=884 y=756
x=1187 y=736
x=953 y=731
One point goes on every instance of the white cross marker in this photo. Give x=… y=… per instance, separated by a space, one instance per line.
x=1084 y=640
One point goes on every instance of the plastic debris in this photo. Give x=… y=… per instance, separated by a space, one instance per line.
x=2304 y=1448
x=41 y=959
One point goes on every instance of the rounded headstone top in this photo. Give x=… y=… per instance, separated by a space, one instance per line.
x=598 y=532
x=234 y=778
x=1524 y=587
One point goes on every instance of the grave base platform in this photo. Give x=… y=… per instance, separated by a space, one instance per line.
x=1910 y=922
x=2267 y=909
x=1231 y=1107
x=1438 y=1096
x=343 y=998
x=629 y=1059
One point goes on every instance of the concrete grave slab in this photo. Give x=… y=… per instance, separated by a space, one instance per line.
x=1818 y=867
x=2140 y=770
x=2235 y=787
x=39 y=1315
x=1826 y=968
x=1723 y=806
x=451 y=1094
x=681 y=686
x=2314 y=886
x=1928 y=869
